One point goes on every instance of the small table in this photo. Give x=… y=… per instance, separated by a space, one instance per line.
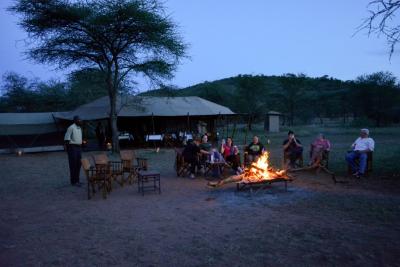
x=215 y=166
x=149 y=181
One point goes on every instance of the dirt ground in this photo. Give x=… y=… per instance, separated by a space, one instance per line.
x=46 y=222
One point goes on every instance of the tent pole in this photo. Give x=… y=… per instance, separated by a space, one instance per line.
x=227 y=127
x=234 y=128
x=152 y=122
x=188 y=123
x=55 y=122
x=247 y=129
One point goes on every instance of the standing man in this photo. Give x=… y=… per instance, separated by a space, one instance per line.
x=360 y=148
x=73 y=144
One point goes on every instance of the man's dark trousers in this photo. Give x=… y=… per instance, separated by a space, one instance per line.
x=74 y=159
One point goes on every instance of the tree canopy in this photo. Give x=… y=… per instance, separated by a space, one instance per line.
x=118 y=37
x=382 y=21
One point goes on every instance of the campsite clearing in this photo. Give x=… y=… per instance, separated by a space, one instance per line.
x=46 y=222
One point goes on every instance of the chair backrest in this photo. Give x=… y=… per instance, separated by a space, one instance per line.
x=127 y=155
x=369 y=160
x=85 y=164
x=101 y=159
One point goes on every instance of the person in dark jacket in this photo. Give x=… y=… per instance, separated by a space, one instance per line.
x=292 y=149
x=254 y=150
x=191 y=154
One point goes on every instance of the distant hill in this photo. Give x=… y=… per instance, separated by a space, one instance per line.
x=224 y=91
x=250 y=94
x=299 y=97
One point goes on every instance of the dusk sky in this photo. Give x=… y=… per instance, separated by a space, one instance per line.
x=267 y=37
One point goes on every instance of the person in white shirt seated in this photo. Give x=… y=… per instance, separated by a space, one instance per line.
x=360 y=148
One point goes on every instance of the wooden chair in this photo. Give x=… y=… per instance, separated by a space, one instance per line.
x=246 y=160
x=368 y=169
x=325 y=158
x=128 y=164
x=99 y=178
x=182 y=167
x=113 y=168
x=298 y=163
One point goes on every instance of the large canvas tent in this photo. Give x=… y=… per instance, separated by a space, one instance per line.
x=27 y=130
x=136 y=106
x=145 y=115
x=140 y=116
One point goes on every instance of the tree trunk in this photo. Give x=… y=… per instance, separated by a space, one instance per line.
x=113 y=120
x=112 y=93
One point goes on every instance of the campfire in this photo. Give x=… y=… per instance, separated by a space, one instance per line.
x=261 y=171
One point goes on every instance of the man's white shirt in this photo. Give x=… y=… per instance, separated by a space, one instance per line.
x=74 y=135
x=364 y=144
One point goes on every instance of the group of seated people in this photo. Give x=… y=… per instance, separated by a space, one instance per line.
x=199 y=151
x=356 y=157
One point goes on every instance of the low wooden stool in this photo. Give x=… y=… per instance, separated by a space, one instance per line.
x=149 y=181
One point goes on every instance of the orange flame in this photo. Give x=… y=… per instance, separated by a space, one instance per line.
x=260 y=170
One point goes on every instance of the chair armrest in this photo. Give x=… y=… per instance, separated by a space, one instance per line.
x=142 y=163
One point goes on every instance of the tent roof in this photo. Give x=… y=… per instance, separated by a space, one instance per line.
x=26 y=123
x=138 y=106
x=26 y=118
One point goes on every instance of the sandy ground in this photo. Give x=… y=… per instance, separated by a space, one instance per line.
x=46 y=222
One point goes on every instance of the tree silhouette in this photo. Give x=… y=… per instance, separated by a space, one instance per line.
x=381 y=21
x=118 y=37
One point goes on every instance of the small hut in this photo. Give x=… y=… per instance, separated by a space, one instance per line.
x=271 y=123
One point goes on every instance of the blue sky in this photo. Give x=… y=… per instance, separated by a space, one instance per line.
x=231 y=37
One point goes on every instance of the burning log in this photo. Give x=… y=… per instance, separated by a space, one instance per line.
x=258 y=172
x=317 y=166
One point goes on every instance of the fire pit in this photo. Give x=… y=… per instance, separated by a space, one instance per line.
x=257 y=176
x=261 y=185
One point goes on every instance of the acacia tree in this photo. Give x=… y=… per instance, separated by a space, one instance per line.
x=119 y=37
x=382 y=21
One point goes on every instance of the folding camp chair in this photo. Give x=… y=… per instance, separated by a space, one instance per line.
x=182 y=167
x=96 y=177
x=129 y=167
x=113 y=168
x=297 y=164
x=325 y=158
x=368 y=169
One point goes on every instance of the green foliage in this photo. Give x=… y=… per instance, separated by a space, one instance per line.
x=302 y=99
x=86 y=85
x=19 y=94
x=377 y=96
x=118 y=37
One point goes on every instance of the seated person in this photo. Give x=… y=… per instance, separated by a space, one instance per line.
x=231 y=154
x=292 y=150
x=317 y=148
x=360 y=148
x=191 y=155
x=254 y=150
x=205 y=148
